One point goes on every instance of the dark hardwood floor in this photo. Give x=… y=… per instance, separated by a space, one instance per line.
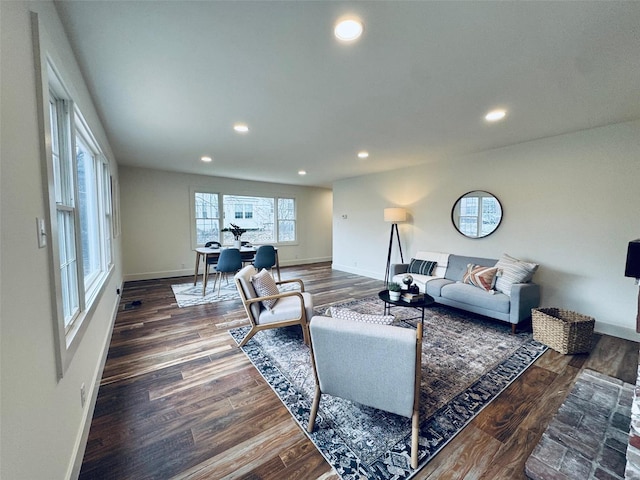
x=179 y=400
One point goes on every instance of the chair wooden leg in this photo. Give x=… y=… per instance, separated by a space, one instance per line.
x=415 y=431
x=314 y=410
x=219 y=280
x=305 y=333
x=248 y=336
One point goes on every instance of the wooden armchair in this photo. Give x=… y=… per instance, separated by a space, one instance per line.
x=292 y=307
x=371 y=364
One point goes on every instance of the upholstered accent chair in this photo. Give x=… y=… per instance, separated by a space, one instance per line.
x=371 y=364
x=291 y=307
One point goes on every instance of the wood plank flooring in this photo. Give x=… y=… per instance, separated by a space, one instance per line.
x=178 y=399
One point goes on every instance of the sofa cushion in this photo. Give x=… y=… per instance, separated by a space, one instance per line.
x=434 y=287
x=422 y=267
x=346 y=314
x=458 y=265
x=479 y=276
x=511 y=270
x=287 y=308
x=470 y=295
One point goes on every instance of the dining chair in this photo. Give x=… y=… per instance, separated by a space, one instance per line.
x=229 y=261
x=265 y=258
x=210 y=262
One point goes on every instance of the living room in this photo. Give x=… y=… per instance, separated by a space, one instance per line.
x=570 y=202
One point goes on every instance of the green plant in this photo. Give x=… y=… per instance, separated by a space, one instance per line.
x=394 y=287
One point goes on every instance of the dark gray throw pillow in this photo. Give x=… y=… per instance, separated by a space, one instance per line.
x=422 y=267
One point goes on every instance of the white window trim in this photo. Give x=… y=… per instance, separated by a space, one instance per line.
x=67 y=340
x=192 y=210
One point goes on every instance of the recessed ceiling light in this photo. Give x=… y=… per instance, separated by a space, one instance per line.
x=206 y=159
x=495 y=115
x=363 y=154
x=241 y=127
x=348 y=29
x=302 y=172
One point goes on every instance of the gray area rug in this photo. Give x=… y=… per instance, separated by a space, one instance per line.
x=466 y=362
x=189 y=295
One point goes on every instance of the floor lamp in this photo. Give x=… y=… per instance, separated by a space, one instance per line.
x=393 y=215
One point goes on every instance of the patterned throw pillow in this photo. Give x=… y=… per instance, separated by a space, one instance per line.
x=265 y=285
x=479 y=276
x=513 y=271
x=422 y=267
x=346 y=314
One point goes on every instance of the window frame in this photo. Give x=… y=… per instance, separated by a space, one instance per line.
x=60 y=189
x=222 y=222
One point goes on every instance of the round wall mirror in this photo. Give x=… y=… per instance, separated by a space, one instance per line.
x=476 y=214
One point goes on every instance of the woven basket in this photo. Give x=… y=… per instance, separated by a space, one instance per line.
x=564 y=331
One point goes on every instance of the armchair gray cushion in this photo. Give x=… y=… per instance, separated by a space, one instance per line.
x=373 y=365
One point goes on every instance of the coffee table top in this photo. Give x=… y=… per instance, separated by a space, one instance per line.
x=423 y=302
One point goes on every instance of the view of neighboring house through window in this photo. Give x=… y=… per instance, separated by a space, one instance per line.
x=265 y=219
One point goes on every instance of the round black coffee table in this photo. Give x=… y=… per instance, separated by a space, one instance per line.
x=419 y=304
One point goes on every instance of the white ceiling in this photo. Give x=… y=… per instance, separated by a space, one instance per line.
x=169 y=80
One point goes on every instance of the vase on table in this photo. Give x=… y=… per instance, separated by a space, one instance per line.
x=237 y=244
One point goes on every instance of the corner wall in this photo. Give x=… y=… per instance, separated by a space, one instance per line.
x=42 y=420
x=156 y=226
x=570 y=204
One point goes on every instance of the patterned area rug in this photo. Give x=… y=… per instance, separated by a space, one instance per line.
x=466 y=362
x=188 y=295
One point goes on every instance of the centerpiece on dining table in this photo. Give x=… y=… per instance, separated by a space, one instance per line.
x=237 y=232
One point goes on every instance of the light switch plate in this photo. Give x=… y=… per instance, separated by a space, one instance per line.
x=42 y=232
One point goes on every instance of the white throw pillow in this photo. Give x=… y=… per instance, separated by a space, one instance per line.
x=346 y=314
x=511 y=270
x=265 y=285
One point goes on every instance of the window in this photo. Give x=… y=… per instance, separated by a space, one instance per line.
x=286 y=220
x=265 y=219
x=65 y=207
x=80 y=207
x=207 y=217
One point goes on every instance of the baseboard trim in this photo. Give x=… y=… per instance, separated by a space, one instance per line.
x=617 y=331
x=358 y=271
x=81 y=443
x=132 y=277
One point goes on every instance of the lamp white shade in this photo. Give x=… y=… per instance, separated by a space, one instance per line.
x=395 y=214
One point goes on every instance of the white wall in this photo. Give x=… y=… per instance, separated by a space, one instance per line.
x=41 y=418
x=156 y=216
x=570 y=204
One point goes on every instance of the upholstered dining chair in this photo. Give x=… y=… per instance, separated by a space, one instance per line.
x=265 y=258
x=290 y=307
x=229 y=261
x=378 y=366
x=211 y=261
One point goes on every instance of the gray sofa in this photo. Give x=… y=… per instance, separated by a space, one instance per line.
x=446 y=287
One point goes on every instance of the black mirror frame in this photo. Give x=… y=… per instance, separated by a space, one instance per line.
x=453 y=209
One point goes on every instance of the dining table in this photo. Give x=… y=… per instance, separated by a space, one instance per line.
x=205 y=253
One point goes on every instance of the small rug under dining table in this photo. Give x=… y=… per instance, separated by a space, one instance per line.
x=467 y=361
